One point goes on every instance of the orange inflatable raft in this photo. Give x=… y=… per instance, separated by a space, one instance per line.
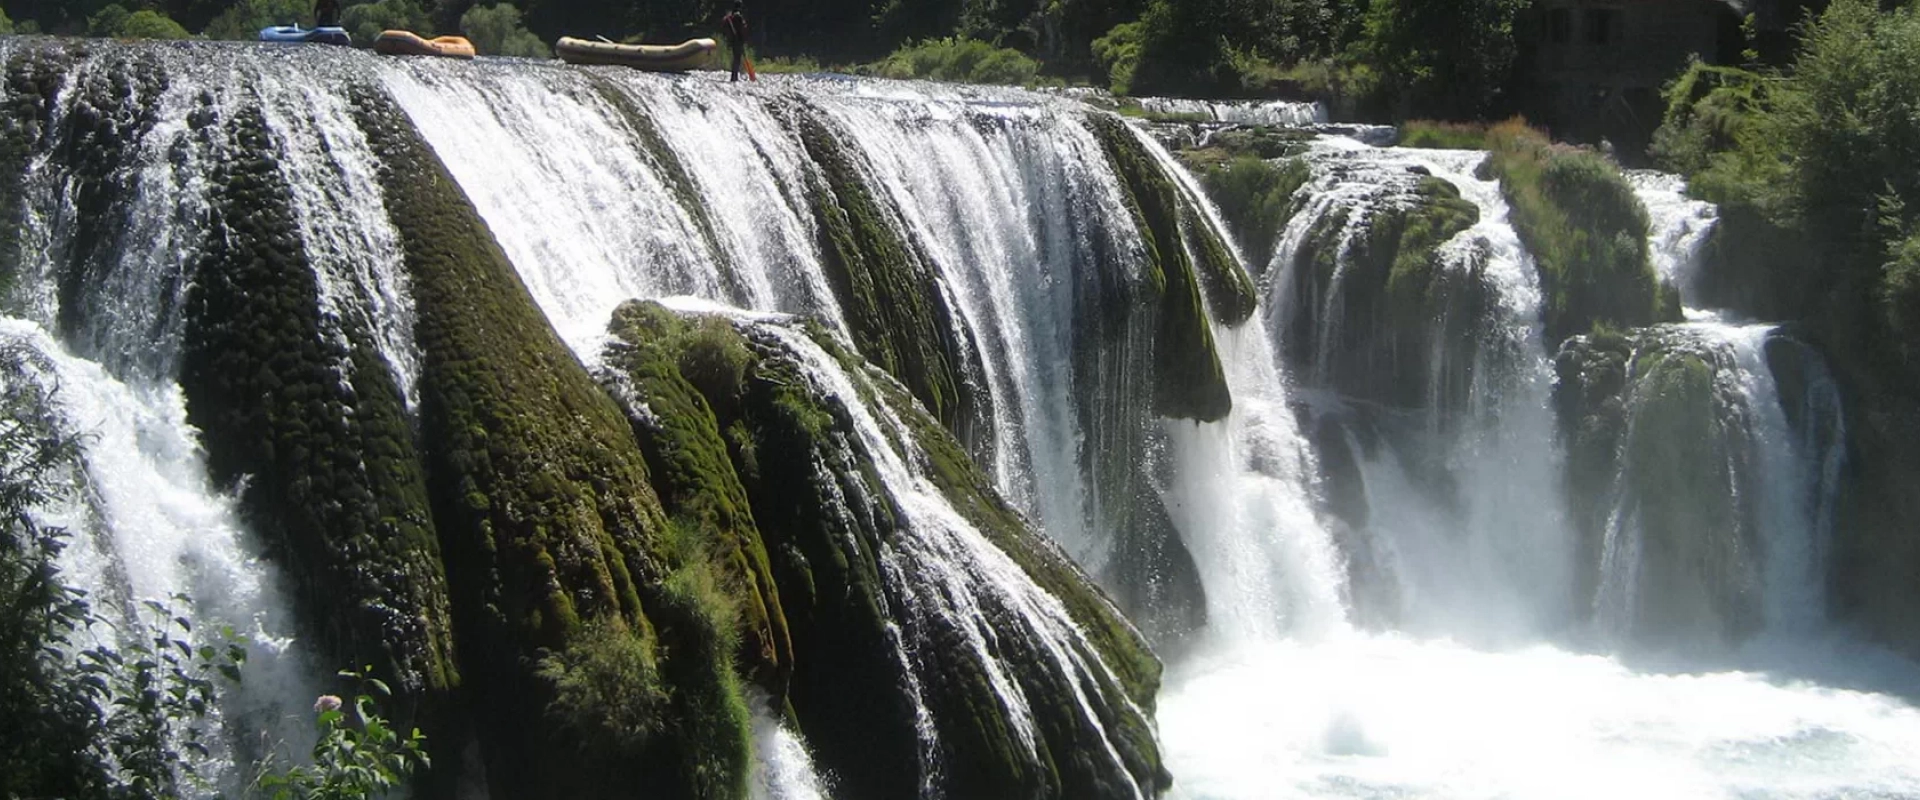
x=656 y=57
x=407 y=43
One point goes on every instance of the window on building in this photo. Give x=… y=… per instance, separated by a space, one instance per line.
x=1559 y=26
x=1603 y=25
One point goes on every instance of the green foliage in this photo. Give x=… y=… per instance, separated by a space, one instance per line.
x=123 y=718
x=1443 y=135
x=107 y=21
x=1900 y=289
x=1448 y=58
x=356 y=757
x=1118 y=54
x=497 y=31
x=365 y=21
x=1586 y=229
x=1819 y=157
x=6 y=23
x=243 y=20
x=958 y=59
x=607 y=690
x=150 y=24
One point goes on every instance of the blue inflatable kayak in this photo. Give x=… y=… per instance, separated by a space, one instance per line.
x=295 y=33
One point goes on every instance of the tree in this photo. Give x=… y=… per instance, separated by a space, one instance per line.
x=498 y=31
x=6 y=25
x=150 y=24
x=1442 y=58
x=244 y=19
x=107 y=21
x=365 y=21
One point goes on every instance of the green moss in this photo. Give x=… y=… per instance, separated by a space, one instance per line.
x=1657 y=447
x=32 y=78
x=1189 y=381
x=1255 y=197
x=306 y=411
x=1409 y=323
x=1114 y=641
x=1699 y=578
x=686 y=374
x=570 y=534
x=1586 y=230
x=885 y=286
x=825 y=517
x=1262 y=143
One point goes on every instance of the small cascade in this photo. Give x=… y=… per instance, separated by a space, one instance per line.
x=783 y=769
x=1442 y=374
x=1281 y=113
x=1680 y=227
x=954 y=582
x=144 y=526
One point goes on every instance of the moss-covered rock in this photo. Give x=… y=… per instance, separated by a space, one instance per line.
x=896 y=310
x=547 y=517
x=1216 y=148
x=665 y=369
x=1381 y=313
x=1654 y=428
x=863 y=605
x=306 y=410
x=1587 y=232
x=1255 y=198
x=31 y=80
x=1188 y=377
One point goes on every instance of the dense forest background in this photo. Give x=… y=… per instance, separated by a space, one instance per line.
x=1451 y=58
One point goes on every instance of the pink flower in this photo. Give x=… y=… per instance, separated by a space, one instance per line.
x=326 y=703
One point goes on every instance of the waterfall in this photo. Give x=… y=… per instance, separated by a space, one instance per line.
x=1439 y=491
x=1464 y=515
x=1398 y=581
x=105 y=236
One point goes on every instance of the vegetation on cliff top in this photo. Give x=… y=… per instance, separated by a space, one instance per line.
x=1812 y=167
x=1587 y=232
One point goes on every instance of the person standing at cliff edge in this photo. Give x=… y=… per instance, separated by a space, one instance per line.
x=734 y=25
x=326 y=14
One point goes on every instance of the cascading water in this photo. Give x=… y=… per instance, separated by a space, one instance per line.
x=1339 y=712
x=606 y=185
x=146 y=524
x=1273 y=112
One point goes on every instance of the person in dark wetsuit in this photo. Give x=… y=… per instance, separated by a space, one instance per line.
x=326 y=13
x=734 y=26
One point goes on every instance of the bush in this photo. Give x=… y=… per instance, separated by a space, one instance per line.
x=244 y=20
x=6 y=23
x=365 y=21
x=356 y=757
x=607 y=690
x=498 y=31
x=1586 y=229
x=147 y=24
x=960 y=60
x=81 y=719
x=1443 y=135
x=714 y=359
x=1118 y=55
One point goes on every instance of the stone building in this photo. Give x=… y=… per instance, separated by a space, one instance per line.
x=1595 y=67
